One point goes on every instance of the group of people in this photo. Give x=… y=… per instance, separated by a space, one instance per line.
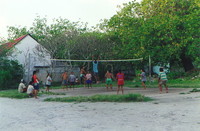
x=162 y=79
x=70 y=80
x=86 y=78
x=33 y=87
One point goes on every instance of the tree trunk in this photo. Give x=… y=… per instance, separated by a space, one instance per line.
x=187 y=63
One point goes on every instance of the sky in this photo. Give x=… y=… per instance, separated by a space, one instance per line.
x=23 y=12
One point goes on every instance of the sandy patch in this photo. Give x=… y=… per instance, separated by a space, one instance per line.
x=169 y=112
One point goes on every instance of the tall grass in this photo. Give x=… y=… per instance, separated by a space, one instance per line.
x=103 y=98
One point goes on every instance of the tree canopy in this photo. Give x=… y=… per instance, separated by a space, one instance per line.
x=166 y=30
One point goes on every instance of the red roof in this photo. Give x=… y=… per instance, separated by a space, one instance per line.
x=9 y=45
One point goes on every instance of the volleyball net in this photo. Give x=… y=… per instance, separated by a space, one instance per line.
x=72 y=60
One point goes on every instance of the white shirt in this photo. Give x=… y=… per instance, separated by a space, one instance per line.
x=30 y=89
x=48 y=80
x=88 y=76
x=21 y=87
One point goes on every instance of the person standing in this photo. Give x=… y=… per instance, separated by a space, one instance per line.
x=109 y=77
x=35 y=82
x=162 y=80
x=143 y=78
x=82 y=75
x=48 y=82
x=89 y=79
x=64 y=77
x=72 y=79
x=95 y=68
x=120 y=81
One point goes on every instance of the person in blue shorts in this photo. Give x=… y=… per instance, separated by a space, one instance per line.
x=89 y=79
x=143 y=78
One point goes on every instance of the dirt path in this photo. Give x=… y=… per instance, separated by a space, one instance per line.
x=169 y=112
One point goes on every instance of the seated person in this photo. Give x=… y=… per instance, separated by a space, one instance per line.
x=30 y=90
x=22 y=88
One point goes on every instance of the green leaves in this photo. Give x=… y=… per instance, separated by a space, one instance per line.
x=164 y=29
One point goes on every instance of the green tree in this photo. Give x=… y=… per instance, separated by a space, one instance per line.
x=165 y=29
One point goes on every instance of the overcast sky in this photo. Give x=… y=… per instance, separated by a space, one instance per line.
x=23 y=12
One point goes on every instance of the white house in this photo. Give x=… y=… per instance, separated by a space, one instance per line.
x=29 y=53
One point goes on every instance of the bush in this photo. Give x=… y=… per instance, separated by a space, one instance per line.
x=10 y=73
x=175 y=75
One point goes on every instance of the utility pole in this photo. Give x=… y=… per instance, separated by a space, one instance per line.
x=149 y=68
x=29 y=63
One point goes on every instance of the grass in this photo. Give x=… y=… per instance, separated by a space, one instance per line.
x=13 y=94
x=177 y=83
x=52 y=93
x=103 y=98
x=195 y=90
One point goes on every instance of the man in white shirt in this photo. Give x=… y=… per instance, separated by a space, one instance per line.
x=21 y=87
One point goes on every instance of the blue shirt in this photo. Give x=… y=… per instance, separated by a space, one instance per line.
x=95 y=66
x=143 y=76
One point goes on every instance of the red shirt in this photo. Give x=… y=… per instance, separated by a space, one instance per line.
x=120 y=76
x=35 y=79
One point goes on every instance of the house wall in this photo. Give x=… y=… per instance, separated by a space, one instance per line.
x=56 y=72
x=26 y=53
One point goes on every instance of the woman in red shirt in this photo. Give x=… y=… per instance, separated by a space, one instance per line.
x=120 y=83
x=35 y=83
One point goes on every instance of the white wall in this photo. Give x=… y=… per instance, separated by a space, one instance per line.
x=26 y=53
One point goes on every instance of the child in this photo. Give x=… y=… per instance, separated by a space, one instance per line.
x=162 y=80
x=64 y=77
x=143 y=78
x=72 y=79
x=48 y=82
x=35 y=82
x=89 y=79
x=120 y=79
x=82 y=75
x=30 y=90
x=109 y=77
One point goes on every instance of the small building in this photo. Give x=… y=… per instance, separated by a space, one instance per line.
x=29 y=53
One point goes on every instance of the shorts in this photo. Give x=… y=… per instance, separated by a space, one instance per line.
x=48 y=85
x=72 y=83
x=36 y=86
x=163 y=82
x=109 y=81
x=144 y=81
x=95 y=73
x=120 y=82
x=64 y=82
x=30 y=95
x=88 y=81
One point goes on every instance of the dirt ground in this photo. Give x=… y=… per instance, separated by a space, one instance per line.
x=171 y=111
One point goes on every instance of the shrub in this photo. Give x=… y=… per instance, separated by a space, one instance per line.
x=10 y=73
